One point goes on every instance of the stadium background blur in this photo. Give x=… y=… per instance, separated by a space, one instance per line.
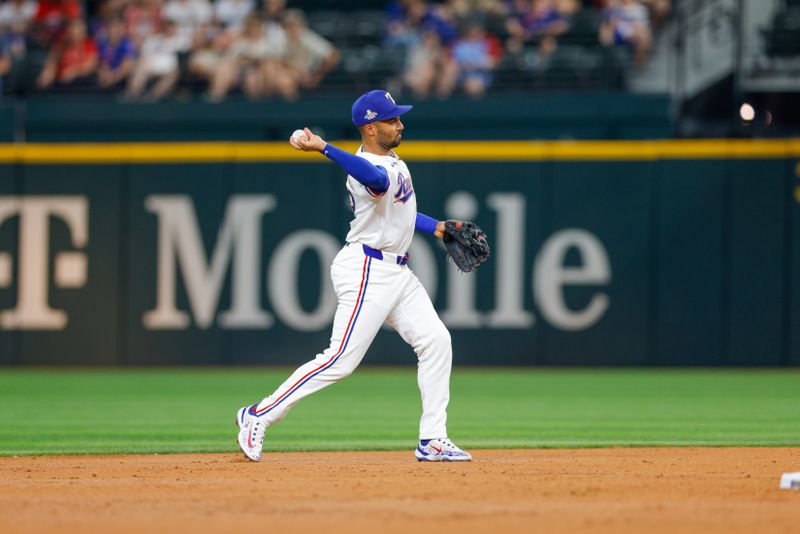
x=708 y=57
x=632 y=161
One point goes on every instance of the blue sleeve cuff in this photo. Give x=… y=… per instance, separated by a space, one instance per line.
x=373 y=177
x=425 y=224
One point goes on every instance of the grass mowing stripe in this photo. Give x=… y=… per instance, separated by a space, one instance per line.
x=192 y=410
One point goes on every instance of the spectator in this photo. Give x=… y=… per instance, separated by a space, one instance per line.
x=273 y=10
x=188 y=15
x=538 y=21
x=208 y=48
x=232 y=13
x=158 y=59
x=492 y=13
x=72 y=61
x=398 y=29
x=659 y=11
x=475 y=56
x=627 y=23
x=16 y=18
x=142 y=19
x=436 y=18
x=51 y=19
x=568 y=7
x=107 y=10
x=408 y=18
x=244 y=63
x=308 y=58
x=272 y=15
x=116 y=55
x=426 y=65
x=6 y=59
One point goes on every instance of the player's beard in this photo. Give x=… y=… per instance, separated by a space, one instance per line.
x=394 y=143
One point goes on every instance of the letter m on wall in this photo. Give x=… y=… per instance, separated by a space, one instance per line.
x=238 y=247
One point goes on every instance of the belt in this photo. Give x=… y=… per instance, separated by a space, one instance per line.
x=385 y=256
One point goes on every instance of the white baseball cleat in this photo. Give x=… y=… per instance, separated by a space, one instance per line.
x=251 y=433
x=440 y=450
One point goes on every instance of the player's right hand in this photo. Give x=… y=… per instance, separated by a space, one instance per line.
x=311 y=142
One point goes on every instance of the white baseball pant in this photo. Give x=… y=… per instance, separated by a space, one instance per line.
x=370 y=292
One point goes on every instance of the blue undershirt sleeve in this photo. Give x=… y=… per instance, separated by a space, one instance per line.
x=372 y=176
x=425 y=224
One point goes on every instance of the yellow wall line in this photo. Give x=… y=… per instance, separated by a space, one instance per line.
x=202 y=152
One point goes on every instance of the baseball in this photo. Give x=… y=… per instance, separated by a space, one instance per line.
x=297 y=135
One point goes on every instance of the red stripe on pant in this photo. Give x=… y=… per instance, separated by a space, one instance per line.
x=338 y=352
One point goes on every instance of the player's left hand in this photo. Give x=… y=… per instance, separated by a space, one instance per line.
x=440 y=229
x=466 y=244
x=311 y=142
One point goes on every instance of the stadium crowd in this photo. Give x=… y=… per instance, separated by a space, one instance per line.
x=141 y=49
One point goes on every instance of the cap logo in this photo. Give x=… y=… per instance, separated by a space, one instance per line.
x=390 y=98
x=370 y=115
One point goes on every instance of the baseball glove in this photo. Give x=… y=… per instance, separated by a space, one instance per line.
x=466 y=244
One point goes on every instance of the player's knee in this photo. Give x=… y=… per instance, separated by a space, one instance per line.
x=344 y=371
x=441 y=341
x=341 y=369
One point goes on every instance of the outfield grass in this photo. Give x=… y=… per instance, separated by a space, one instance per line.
x=147 y=411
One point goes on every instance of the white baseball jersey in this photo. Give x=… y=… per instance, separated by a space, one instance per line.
x=383 y=221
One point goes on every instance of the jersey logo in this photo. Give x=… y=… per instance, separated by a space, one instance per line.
x=370 y=115
x=404 y=189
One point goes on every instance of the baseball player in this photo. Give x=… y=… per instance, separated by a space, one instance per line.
x=373 y=284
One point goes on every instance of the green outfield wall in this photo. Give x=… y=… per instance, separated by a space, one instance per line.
x=98 y=118
x=604 y=253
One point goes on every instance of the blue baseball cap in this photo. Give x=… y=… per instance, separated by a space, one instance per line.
x=376 y=105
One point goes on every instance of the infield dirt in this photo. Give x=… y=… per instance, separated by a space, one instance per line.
x=597 y=490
